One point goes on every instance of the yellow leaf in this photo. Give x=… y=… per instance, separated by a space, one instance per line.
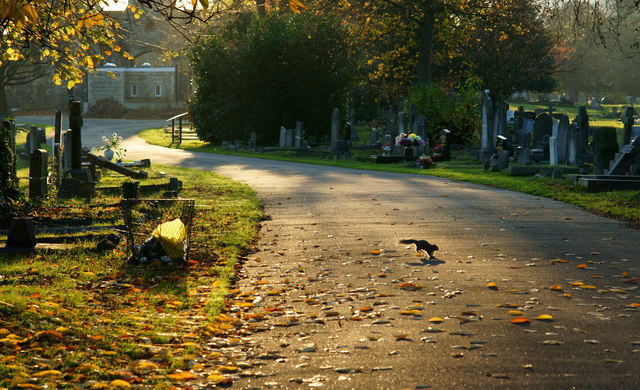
x=70 y=84
x=228 y=369
x=119 y=383
x=182 y=376
x=374 y=252
x=436 y=320
x=515 y=312
x=48 y=374
x=204 y=3
x=581 y=266
x=555 y=287
x=544 y=317
x=296 y=6
x=216 y=379
x=492 y=285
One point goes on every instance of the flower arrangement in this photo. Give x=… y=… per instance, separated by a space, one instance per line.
x=424 y=162
x=386 y=149
x=409 y=140
x=438 y=149
x=114 y=144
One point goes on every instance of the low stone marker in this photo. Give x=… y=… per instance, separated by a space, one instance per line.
x=38 y=173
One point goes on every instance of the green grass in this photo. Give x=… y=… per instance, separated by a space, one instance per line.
x=96 y=308
x=622 y=205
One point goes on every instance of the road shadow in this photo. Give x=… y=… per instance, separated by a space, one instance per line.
x=427 y=261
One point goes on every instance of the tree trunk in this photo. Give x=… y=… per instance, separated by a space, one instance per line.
x=4 y=107
x=425 y=43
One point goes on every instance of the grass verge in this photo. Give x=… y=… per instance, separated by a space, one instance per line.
x=82 y=318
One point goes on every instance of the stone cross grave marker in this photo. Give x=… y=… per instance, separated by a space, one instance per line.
x=628 y=155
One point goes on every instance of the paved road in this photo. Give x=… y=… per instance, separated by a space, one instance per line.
x=347 y=307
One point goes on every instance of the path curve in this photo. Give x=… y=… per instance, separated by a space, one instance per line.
x=354 y=305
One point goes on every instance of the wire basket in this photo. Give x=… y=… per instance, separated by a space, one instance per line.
x=158 y=229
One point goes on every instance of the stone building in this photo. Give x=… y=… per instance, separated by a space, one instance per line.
x=136 y=87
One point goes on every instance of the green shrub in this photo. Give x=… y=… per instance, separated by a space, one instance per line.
x=271 y=71
x=457 y=111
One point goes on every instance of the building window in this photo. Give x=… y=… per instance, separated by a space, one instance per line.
x=134 y=90
x=158 y=90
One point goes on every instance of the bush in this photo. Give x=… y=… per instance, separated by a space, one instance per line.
x=284 y=68
x=457 y=111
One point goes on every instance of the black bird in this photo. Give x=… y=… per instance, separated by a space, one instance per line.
x=422 y=246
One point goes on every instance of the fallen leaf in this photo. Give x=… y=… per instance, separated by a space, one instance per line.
x=544 y=317
x=182 y=376
x=119 y=383
x=520 y=321
x=492 y=285
x=555 y=287
x=436 y=320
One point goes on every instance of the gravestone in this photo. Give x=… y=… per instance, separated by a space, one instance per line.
x=605 y=147
x=542 y=130
x=390 y=124
x=353 y=131
x=518 y=120
x=420 y=129
x=486 y=147
x=33 y=140
x=335 y=128
x=627 y=122
x=283 y=137
x=553 y=150
x=290 y=136
x=412 y=115
x=562 y=135
x=299 y=136
x=572 y=144
x=38 y=172
x=373 y=137
x=341 y=149
x=75 y=124
x=66 y=152
x=445 y=141
x=253 y=141
x=402 y=122
x=630 y=154
x=21 y=234
x=582 y=121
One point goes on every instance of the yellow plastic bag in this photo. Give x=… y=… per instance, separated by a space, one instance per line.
x=171 y=236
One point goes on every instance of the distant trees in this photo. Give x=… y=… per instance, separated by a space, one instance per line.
x=271 y=71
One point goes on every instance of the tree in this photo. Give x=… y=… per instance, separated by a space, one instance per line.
x=269 y=72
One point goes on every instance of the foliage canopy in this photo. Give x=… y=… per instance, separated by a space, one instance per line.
x=271 y=71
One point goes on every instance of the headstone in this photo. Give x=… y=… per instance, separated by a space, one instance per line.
x=38 y=172
x=373 y=137
x=21 y=234
x=445 y=141
x=75 y=124
x=402 y=122
x=353 y=134
x=130 y=189
x=66 y=152
x=605 y=147
x=502 y=161
x=335 y=128
x=390 y=123
x=412 y=115
x=485 y=137
x=253 y=141
x=289 y=138
x=33 y=140
x=542 y=130
x=627 y=122
x=420 y=129
x=299 y=136
x=283 y=137
x=553 y=151
x=524 y=156
x=572 y=144
x=341 y=148
x=630 y=154
x=528 y=122
x=582 y=121
x=562 y=136
x=511 y=115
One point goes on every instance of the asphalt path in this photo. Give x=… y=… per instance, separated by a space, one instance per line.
x=338 y=303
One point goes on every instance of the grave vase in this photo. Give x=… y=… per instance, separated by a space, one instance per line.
x=109 y=154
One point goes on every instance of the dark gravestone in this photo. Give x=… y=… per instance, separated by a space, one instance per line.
x=542 y=130
x=582 y=121
x=21 y=234
x=38 y=172
x=75 y=124
x=299 y=135
x=605 y=147
x=627 y=122
x=445 y=141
